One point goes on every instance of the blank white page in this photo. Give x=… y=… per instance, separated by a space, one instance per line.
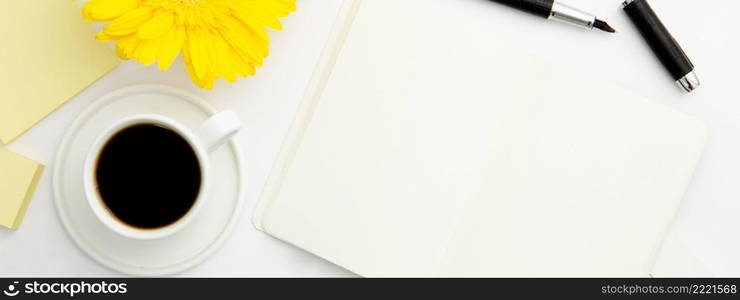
x=434 y=150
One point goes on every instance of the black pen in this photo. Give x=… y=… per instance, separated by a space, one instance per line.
x=663 y=44
x=551 y=9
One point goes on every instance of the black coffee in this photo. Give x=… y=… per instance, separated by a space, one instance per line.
x=148 y=176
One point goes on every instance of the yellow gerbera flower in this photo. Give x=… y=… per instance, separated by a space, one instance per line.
x=218 y=38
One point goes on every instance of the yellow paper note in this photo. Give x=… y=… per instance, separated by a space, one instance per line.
x=48 y=55
x=18 y=178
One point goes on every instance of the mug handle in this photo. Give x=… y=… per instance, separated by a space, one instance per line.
x=218 y=129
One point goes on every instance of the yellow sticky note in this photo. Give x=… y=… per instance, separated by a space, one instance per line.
x=48 y=55
x=18 y=178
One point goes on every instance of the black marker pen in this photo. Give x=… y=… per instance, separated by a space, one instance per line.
x=551 y=9
x=662 y=43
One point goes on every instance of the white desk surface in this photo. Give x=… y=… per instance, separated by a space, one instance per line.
x=707 y=222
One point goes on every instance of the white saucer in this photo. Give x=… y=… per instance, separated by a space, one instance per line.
x=173 y=254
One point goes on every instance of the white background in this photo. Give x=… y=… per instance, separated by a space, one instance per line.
x=708 y=221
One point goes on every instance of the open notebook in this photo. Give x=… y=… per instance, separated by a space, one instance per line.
x=426 y=148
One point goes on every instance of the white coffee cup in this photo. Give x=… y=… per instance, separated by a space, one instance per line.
x=208 y=137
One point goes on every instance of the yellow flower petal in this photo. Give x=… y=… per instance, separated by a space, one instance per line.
x=147 y=52
x=120 y=53
x=197 y=54
x=156 y=26
x=103 y=37
x=173 y=42
x=244 y=41
x=223 y=58
x=129 y=45
x=217 y=38
x=191 y=70
x=128 y=23
x=264 y=12
x=104 y=10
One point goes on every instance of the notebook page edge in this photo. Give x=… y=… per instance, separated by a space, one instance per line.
x=319 y=78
